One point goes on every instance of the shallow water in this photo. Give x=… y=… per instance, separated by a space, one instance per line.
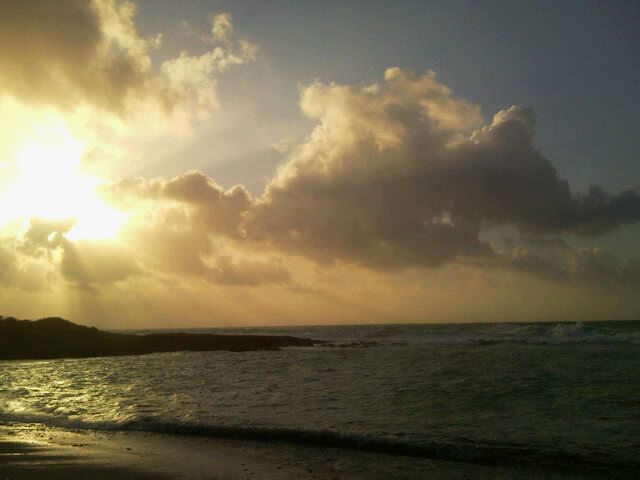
x=488 y=393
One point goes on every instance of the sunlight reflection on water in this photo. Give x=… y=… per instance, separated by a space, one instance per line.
x=576 y=396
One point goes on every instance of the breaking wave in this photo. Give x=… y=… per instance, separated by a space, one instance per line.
x=462 y=451
x=486 y=334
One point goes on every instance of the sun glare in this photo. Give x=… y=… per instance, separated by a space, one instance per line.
x=49 y=184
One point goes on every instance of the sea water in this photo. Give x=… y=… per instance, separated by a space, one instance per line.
x=491 y=393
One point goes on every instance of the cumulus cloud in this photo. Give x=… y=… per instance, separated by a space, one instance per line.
x=67 y=52
x=406 y=174
x=90 y=52
x=193 y=76
x=222 y=27
x=186 y=214
x=397 y=175
x=210 y=208
x=43 y=233
x=499 y=176
x=393 y=176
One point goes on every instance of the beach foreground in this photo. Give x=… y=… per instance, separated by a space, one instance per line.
x=373 y=402
x=30 y=451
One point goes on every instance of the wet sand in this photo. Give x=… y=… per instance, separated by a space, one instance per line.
x=28 y=461
x=30 y=451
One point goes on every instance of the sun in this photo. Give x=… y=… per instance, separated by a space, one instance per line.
x=48 y=184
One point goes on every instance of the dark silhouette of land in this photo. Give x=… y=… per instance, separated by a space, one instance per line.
x=58 y=338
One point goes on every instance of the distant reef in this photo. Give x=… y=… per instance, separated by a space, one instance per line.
x=58 y=338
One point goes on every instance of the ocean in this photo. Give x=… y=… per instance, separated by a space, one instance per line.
x=560 y=395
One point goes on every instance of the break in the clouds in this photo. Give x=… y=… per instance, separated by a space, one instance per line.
x=82 y=263
x=90 y=52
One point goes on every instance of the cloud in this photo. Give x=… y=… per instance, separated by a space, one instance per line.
x=597 y=266
x=22 y=271
x=574 y=265
x=89 y=52
x=177 y=233
x=393 y=176
x=554 y=259
x=43 y=232
x=500 y=177
x=87 y=264
x=248 y=273
x=211 y=208
x=84 y=263
x=175 y=245
x=396 y=176
x=405 y=174
x=222 y=27
x=193 y=76
x=63 y=53
x=283 y=146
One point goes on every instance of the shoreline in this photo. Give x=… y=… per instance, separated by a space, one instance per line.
x=30 y=451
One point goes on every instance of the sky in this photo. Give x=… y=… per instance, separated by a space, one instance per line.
x=218 y=163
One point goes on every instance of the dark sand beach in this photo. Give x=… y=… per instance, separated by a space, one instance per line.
x=35 y=451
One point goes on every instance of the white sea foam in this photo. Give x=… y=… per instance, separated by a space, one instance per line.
x=534 y=334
